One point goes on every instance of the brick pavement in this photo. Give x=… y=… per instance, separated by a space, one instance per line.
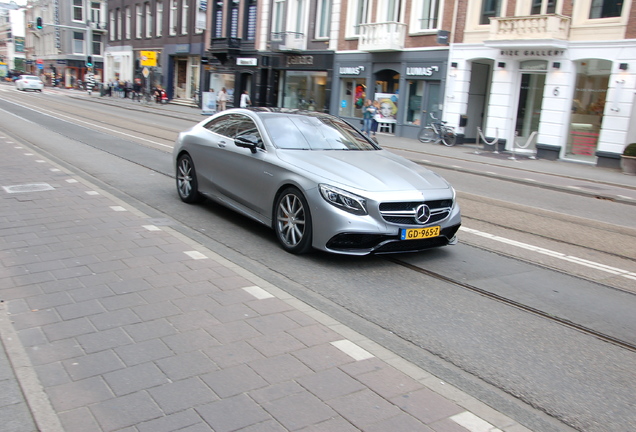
x=110 y=323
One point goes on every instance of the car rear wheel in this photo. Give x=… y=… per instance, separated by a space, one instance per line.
x=293 y=221
x=187 y=184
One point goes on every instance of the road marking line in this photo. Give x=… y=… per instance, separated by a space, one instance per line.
x=352 y=350
x=258 y=292
x=151 y=228
x=625 y=197
x=554 y=254
x=118 y=208
x=76 y=122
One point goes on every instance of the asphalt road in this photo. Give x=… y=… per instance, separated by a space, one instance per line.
x=537 y=371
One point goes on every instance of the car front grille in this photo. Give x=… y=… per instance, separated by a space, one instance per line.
x=403 y=213
x=374 y=243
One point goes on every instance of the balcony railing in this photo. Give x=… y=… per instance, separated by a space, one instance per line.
x=382 y=36
x=288 y=41
x=530 y=27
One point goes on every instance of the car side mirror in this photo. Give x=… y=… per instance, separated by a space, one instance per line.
x=248 y=141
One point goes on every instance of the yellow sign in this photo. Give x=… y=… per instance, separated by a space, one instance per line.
x=148 y=58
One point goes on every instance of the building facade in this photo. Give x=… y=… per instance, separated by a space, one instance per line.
x=72 y=32
x=158 y=42
x=395 y=52
x=551 y=78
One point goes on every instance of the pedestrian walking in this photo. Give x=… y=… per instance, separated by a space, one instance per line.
x=245 y=100
x=222 y=99
x=368 y=113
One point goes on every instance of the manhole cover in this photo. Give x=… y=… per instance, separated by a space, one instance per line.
x=33 y=187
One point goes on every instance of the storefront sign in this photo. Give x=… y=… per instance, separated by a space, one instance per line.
x=421 y=70
x=533 y=53
x=351 y=70
x=300 y=60
x=246 y=62
x=148 y=58
x=182 y=48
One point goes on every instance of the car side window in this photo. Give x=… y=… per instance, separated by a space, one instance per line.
x=218 y=125
x=245 y=126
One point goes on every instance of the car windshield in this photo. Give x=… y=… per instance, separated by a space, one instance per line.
x=299 y=132
x=29 y=77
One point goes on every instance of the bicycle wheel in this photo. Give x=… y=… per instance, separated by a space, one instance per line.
x=427 y=135
x=449 y=138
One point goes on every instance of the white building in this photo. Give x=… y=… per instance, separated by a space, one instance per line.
x=557 y=77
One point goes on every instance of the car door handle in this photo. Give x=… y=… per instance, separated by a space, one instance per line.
x=222 y=144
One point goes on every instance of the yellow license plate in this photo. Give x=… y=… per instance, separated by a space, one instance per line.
x=420 y=233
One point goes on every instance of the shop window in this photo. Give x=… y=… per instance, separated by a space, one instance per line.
x=353 y=92
x=414 y=102
x=606 y=8
x=304 y=90
x=588 y=105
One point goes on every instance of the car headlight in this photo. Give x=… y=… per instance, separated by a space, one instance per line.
x=344 y=200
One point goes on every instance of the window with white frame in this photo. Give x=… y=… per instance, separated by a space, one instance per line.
x=217 y=12
x=393 y=10
x=184 y=16
x=139 y=19
x=159 y=18
x=606 y=8
x=148 y=15
x=78 y=10
x=543 y=7
x=128 y=22
x=119 y=24
x=425 y=15
x=323 y=23
x=252 y=11
x=96 y=13
x=489 y=9
x=98 y=45
x=359 y=15
x=296 y=10
x=278 y=22
x=78 y=42
x=172 y=23
x=111 y=25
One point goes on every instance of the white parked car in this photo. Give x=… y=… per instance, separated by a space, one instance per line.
x=29 y=82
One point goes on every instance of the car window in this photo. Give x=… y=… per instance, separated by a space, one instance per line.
x=233 y=125
x=30 y=77
x=314 y=133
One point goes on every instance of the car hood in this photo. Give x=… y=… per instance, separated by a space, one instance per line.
x=374 y=170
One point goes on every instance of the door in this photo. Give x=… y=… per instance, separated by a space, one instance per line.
x=529 y=108
x=181 y=77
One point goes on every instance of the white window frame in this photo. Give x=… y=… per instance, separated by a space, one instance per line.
x=359 y=12
x=119 y=24
x=390 y=11
x=75 y=6
x=139 y=21
x=148 y=16
x=185 y=16
x=417 y=16
x=79 y=47
x=128 y=30
x=278 y=16
x=298 y=16
x=323 y=19
x=159 y=16
x=96 y=12
x=172 y=22
x=111 y=25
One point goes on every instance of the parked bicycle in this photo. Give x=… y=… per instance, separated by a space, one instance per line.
x=437 y=131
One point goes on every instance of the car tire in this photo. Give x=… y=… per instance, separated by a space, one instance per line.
x=292 y=221
x=187 y=184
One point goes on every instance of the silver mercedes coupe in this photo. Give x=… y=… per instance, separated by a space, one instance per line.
x=317 y=181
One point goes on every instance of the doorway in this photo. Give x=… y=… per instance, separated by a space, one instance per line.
x=529 y=108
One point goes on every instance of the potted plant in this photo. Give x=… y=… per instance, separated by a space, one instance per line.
x=628 y=160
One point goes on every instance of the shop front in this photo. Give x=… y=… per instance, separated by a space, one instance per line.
x=556 y=102
x=408 y=87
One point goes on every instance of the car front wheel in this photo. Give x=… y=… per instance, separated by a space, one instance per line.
x=293 y=221
x=187 y=185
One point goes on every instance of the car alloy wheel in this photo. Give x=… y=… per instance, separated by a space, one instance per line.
x=293 y=221
x=187 y=184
